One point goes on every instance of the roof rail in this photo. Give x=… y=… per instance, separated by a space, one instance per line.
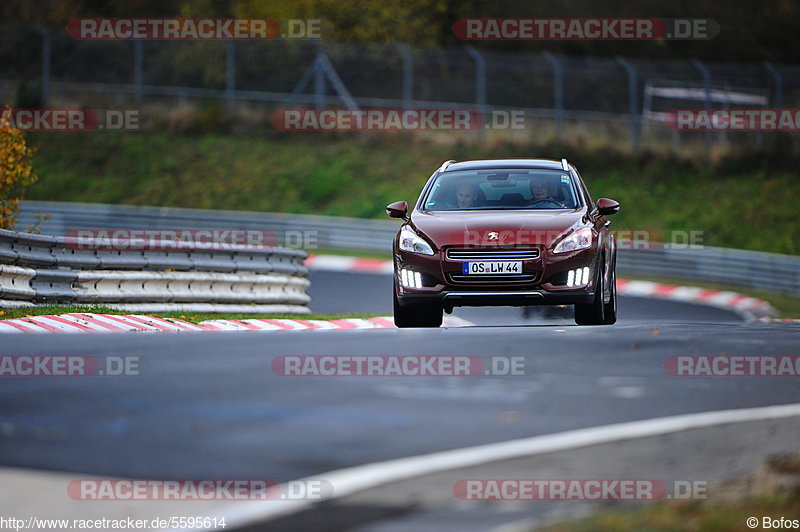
x=564 y=165
x=445 y=165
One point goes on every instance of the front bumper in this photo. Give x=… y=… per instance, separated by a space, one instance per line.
x=505 y=298
x=547 y=288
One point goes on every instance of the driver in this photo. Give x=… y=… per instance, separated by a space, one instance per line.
x=467 y=195
x=541 y=192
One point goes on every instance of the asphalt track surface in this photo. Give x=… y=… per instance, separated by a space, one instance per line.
x=207 y=405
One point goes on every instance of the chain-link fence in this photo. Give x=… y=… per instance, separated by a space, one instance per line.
x=560 y=95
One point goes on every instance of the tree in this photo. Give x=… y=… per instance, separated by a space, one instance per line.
x=16 y=170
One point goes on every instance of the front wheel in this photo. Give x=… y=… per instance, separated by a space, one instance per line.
x=610 y=308
x=416 y=315
x=592 y=313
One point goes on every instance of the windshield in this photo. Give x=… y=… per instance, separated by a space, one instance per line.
x=502 y=189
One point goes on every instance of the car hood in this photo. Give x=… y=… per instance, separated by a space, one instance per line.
x=517 y=228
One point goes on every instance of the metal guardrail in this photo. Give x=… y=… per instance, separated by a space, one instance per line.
x=164 y=277
x=749 y=269
x=324 y=232
x=733 y=267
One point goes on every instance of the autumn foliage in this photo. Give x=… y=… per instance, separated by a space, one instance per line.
x=16 y=171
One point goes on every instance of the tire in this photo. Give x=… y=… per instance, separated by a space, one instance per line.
x=416 y=315
x=610 y=308
x=592 y=313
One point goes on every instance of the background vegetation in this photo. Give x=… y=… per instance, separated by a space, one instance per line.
x=752 y=30
x=742 y=200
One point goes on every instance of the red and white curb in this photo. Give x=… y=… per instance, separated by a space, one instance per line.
x=749 y=307
x=88 y=322
x=779 y=320
x=340 y=263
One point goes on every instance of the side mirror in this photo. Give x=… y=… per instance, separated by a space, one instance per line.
x=398 y=209
x=607 y=206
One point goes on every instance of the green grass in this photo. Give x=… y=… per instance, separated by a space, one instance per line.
x=745 y=201
x=353 y=253
x=669 y=516
x=26 y=312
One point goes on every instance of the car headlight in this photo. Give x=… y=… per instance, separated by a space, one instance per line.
x=580 y=239
x=410 y=241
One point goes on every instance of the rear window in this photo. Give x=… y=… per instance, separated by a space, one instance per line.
x=502 y=189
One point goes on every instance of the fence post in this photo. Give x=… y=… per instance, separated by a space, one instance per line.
x=137 y=70
x=558 y=91
x=408 y=74
x=319 y=81
x=480 y=85
x=778 y=79
x=45 y=34
x=633 y=103
x=707 y=97
x=230 y=72
x=480 y=77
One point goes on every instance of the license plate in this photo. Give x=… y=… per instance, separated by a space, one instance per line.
x=491 y=268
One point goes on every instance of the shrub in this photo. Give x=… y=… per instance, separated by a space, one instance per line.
x=16 y=170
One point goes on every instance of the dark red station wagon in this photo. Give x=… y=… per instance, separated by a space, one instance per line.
x=505 y=232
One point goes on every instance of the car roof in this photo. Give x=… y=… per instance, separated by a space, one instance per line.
x=493 y=164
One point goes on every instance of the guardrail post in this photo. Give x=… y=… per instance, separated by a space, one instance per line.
x=558 y=91
x=633 y=104
x=45 y=34
x=707 y=97
x=230 y=73
x=137 y=70
x=408 y=74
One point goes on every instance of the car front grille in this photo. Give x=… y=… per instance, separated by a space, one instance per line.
x=494 y=254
